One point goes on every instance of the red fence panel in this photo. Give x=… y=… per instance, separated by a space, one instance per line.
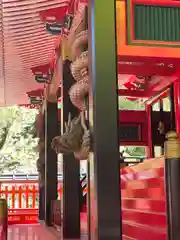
x=23 y=199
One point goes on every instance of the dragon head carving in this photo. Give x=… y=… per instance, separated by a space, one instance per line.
x=71 y=140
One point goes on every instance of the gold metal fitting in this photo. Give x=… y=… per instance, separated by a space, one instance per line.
x=172 y=145
x=172 y=135
x=65 y=51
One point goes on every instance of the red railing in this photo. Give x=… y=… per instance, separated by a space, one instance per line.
x=23 y=199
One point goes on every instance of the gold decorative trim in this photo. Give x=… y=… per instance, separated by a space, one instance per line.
x=65 y=51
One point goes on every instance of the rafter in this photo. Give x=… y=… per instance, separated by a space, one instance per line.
x=24 y=43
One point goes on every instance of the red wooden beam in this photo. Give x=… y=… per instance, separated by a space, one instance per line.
x=38 y=92
x=174 y=3
x=150 y=60
x=136 y=93
x=42 y=69
x=159 y=96
x=144 y=69
x=54 y=14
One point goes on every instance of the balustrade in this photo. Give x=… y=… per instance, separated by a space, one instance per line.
x=22 y=195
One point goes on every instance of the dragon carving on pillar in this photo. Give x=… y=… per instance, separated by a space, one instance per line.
x=76 y=138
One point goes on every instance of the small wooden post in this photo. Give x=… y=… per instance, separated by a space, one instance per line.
x=3 y=219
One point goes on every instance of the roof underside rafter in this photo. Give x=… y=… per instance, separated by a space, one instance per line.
x=24 y=43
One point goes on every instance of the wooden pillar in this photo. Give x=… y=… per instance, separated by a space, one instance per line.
x=40 y=133
x=105 y=220
x=172 y=99
x=177 y=104
x=41 y=203
x=172 y=178
x=51 y=131
x=71 y=167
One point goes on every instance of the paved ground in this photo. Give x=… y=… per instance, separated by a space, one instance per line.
x=29 y=232
x=39 y=232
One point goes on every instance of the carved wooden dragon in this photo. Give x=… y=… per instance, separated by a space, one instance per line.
x=76 y=138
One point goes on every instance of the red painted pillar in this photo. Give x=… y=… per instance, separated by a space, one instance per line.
x=177 y=104
x=149 y=152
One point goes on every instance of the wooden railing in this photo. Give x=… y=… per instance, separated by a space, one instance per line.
x=22 y=195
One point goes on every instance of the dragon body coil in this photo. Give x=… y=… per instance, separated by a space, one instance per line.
x=79 y=67
x=76 y=138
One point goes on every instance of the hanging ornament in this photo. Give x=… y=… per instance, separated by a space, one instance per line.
x=35 y=99
x=68 y=19
x=54 y=28
x=161 y=128
x=41 y=77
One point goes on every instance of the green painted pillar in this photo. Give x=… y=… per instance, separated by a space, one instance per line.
x=104 y=206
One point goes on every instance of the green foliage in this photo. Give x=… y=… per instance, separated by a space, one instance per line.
x=126 y=104
x=17 y=145
x=135 y=151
